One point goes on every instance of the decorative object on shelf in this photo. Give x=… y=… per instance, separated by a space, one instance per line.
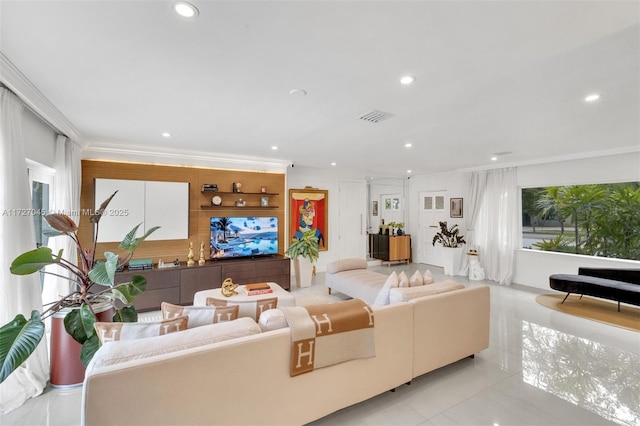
x=240 y=202
x=74 y=314
x=190 y=261
x=263 y=189
x=201 y=261
x=237 y=187
x=228 y=288
x=216 y=201
x=309 y=211
x=264 y=202
x=209 y=187
x=455 y=206
x=304 y=251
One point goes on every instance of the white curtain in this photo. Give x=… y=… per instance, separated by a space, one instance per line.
x=496 y=224
x=65 y=199
x=18 y=294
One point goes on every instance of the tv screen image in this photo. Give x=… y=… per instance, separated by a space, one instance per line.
x=243 y=236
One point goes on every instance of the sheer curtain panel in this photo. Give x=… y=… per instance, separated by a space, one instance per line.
x=18 y=294
x=496 y=226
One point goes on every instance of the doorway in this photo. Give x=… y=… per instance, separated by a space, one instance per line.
x=432 y=211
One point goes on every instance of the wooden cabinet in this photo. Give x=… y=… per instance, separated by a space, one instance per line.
x=390 y=248
x=177 y=285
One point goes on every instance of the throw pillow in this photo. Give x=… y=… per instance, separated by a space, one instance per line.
x=382 y=297
x=427 y=277
x=250 y=308
x=127 y=350
x=416 y=279
x=273 y=319
x=405 y=294
x=114 y=331
x=403 y=280
x=200 y=315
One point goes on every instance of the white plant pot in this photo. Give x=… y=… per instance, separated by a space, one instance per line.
x=303 y=269
x=452 y=260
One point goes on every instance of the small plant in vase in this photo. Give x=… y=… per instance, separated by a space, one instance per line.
x=451 y=241
x=306 y=247
x=400 y=226
x=448 y=236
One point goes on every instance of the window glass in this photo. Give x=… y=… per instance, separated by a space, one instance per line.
x=596 y=219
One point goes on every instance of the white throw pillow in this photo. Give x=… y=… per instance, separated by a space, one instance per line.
x=416 y=279
x=403 y=280
x=383 y=295
x=200 y=315
x=405 y=294
x=113 y=331
x=427 y=278
x=273 y=319
x=127 y=350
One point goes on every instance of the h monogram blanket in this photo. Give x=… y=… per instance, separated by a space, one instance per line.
x=323 y=335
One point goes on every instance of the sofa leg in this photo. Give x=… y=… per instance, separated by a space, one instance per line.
x=393 y=390
x=472 y=356
x=565 y=298
x=329 y=288
x=408 y=383
x=618 y=306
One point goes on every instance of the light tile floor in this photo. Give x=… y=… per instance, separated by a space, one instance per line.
x=542 y=368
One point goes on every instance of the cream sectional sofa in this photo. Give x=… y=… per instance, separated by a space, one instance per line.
x=195 y=377
x=351 y=277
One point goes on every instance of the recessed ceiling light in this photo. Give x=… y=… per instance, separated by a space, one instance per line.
x=333 y=164
x=408 y=145
x=185 y=9
x=298 y=92
x=407 y=79
x=494 y=158
x=592 y=97
x=275 y=148
x=409 y=171
x=166 y=135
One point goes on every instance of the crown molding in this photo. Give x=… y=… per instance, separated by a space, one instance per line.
x=183 y=158
x=19 y=84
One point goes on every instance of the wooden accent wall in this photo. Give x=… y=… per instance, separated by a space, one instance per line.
x=169 y=250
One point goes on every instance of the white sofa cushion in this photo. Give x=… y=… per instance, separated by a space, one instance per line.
x=403 y=294
x=112 y=331
x=273 y=319
x=403 y=280
x=416 y=279
x=383 y=295
x=346 y=265
x=126 y=350
x=200 y=315
x=427 y=277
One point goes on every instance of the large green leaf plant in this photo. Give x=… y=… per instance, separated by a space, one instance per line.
x=93 y=281
x=307 y=246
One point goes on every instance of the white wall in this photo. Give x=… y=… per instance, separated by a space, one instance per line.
x=532 y=267
x=377 y=190
x=39 y=139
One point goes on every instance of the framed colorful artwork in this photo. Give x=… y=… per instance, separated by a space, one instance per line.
x=309 y=210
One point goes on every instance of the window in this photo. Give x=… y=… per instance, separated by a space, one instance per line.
x=597 y=219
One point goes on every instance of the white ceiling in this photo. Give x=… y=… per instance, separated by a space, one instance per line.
x=504 y=76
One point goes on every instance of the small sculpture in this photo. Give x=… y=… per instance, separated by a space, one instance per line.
x=201 y=260
x=228 y=288
x=190 y=261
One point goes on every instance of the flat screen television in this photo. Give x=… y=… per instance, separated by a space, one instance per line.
x=243 y=236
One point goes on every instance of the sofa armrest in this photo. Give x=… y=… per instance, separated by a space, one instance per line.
x=626 y=275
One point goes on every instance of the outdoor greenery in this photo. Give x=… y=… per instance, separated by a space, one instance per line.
x=598 y=219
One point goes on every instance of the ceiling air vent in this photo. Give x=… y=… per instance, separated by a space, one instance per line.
x=374 y=116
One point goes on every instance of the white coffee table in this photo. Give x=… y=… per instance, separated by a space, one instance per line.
x=247 y=303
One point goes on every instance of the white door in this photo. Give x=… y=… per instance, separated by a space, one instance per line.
x=352 y=220
x=432 y=210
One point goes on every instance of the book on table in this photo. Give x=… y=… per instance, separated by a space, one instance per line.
x=258 y=288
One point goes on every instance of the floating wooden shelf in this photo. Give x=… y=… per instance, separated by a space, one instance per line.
x=237 y=208
x=212 y=193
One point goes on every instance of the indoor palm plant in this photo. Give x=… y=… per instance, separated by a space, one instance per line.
x=304 y=251
x=450 y=239
x=93 y=282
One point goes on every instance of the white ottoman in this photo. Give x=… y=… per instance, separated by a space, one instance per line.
x=249 y=306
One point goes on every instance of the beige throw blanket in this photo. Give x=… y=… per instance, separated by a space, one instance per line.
x=323 y=335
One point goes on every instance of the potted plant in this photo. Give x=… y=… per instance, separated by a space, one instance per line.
x=93 y=286
x=304 y=251
x=400 y=225
x=450 y=239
